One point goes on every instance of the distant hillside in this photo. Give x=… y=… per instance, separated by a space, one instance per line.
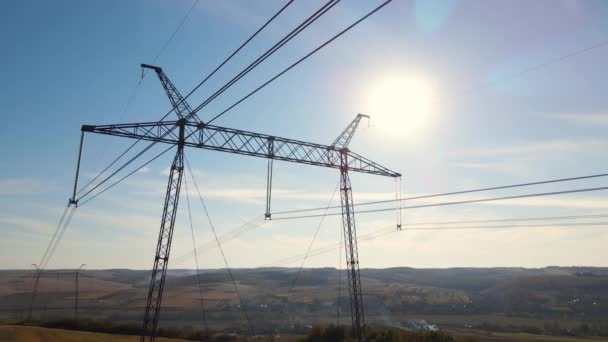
x=555 y=298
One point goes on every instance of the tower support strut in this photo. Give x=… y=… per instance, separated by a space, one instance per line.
x=352 y=252
x=163 y=247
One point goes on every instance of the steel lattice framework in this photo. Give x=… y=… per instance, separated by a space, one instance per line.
x=190 y=131
x=344 y=139
x=351 y=250
x=237 y=141
x=163 y=247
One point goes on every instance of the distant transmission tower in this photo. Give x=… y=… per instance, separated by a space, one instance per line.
x=59 y=275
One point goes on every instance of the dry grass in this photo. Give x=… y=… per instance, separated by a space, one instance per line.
x=36 y=334
x=521 y=337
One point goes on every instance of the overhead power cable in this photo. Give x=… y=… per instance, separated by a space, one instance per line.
x=195 y=88
x=452 y=203
x=44 y=262
x=57 y=229
x=165 y=45
x=312 y=242
x=198 y=273
x=299 y=61
x=132 y=172
x=307 y=22
x=136 y=88
x=224 y=238
x=108 y=167
x=542 y=218
x=540 y=65
x=179 y=26
x=139 y=154
x=462 y=192
x=126 y=176
x=219 y=246
x=208 y=246
x=235 y=52
x=391 y=229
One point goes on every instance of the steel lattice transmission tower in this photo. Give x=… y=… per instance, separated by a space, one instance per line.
x=57 y=275
x=190 y=131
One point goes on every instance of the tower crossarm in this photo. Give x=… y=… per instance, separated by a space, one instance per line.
x=346 y=136
x=242 y=142
x=178 y=102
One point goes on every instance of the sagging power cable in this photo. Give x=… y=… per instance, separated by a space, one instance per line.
x=52 y=241
x=226 y=60
x=126 y=176
x=224 y=238
x=198 y=273
x=391 y=229
x=58 y=237
x=298 y=61
x=462 y=192
x=307 y=22
x=219 y=245
x=139 y=154
x=136 y=88
x=481 y=200
x=312 y=242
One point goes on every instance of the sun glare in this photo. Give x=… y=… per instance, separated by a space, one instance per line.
x=400 y=105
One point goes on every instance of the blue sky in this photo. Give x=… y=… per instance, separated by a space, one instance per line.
x=67 y=63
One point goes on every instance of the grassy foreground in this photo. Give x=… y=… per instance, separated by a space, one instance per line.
x=521 y=337
x=10 y=333
x=19 y=333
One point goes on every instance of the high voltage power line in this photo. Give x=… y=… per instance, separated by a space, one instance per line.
x=540 y=65
x=139 y=82
x=461 y=192
x=257 y=62
x=198 y=273
x=438 y=225
x=256 y=222
x=224 y=238
x=317 y=49
x=188 y=95
x=215 y=70
x=63 y=224
x=481 y=200
x=60 y=229
x=300 y=28
x=312 y=242
x=391 y=229
x=219 y=246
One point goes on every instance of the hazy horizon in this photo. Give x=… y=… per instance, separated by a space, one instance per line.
x=462 y=95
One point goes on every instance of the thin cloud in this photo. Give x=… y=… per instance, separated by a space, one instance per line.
x=24 y=186
x=27 y=223
x=144 y=169
x=593 y=119
x=538 y=147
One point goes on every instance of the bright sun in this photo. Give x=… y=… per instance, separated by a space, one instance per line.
x=400 y=105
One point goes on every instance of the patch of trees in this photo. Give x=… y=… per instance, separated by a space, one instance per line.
x=332 y=333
